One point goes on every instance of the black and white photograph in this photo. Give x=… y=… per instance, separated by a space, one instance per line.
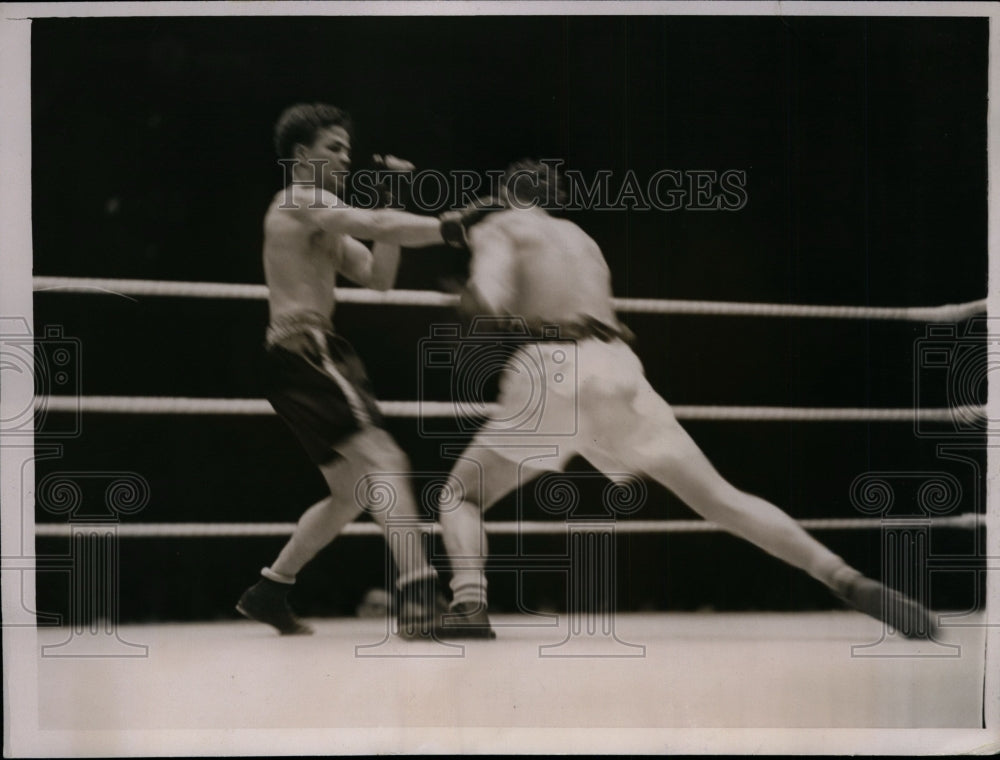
x=499 y=378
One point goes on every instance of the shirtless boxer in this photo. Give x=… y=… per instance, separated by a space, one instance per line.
x=545 y=271
x=317 y=383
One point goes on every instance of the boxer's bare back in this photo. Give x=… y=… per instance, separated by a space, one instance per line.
x=540 y=268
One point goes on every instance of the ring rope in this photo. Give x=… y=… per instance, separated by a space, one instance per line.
x=966 y=415
x=203 y=530
x=945 y=313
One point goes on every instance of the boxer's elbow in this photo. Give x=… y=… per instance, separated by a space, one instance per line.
x=379 y=282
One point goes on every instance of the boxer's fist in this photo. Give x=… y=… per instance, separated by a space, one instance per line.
x=455 y=225
x=392 y=163
x=388 y=163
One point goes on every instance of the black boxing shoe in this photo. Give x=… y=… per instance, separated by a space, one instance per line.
x=419 y=607
x=467 y=620
x=267 y=602
x=894 y=609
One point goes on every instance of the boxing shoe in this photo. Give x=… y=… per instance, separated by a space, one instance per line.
x=419 y=608
x=267 y=602
x=467 y=620
x=897 y=611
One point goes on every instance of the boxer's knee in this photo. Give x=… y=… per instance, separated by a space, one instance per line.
x=390 y=459
x=373 y=450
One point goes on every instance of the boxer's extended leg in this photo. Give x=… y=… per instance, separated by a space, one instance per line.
x=684 y=469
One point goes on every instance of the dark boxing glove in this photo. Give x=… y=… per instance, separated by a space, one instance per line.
x=455 y=225
x=390 y=171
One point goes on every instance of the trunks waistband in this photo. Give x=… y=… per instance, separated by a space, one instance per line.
x=286 y=325
x=585 y=328
x=592 y=328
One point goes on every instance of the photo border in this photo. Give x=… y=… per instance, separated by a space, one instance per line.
x=22 y=734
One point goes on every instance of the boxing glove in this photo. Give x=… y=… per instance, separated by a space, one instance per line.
x=455 y=225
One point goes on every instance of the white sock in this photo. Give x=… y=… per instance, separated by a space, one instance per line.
x=277 y=577
x=468 y=587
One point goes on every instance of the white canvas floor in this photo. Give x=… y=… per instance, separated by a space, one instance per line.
x=707 y=670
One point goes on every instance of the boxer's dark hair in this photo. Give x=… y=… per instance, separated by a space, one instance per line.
x=299 y=124
x=532 y=181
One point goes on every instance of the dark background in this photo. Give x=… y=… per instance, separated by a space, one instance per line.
x=864 y=147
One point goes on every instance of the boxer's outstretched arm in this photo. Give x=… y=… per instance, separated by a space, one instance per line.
x=385 y=225
x=329 y=213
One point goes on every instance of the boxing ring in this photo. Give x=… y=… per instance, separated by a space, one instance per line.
x=589 y=670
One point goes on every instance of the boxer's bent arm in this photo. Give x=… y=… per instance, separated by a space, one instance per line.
x=375 y=269
x=385 y=265
x=492 y=277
